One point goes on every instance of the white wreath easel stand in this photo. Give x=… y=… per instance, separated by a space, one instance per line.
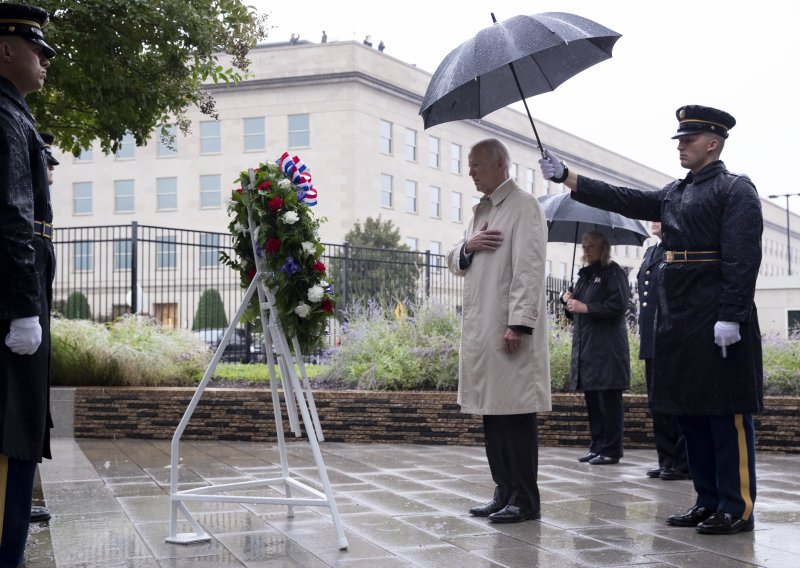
x=295 y=397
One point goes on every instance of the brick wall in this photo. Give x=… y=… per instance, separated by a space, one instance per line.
x=358 y=416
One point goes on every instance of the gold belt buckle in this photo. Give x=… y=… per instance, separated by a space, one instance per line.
x=669 y=256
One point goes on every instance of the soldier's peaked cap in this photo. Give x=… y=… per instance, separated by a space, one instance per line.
x=25 y=21
x=696 y=118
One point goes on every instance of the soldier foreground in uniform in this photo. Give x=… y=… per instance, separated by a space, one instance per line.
x=26 y=257
x=707 y=367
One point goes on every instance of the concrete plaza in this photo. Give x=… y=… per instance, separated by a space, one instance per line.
x=400 y=505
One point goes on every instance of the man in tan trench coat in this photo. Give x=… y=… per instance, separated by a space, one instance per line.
x=504 y=372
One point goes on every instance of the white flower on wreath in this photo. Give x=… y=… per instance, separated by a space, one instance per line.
x=239 y=228
x=308 y=247
x=302 y=309
x=315 y=294
x=290 y=217
x=284 y=183
x=324 y=283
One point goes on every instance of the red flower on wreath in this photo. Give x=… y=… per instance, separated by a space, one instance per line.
x=275 y=204
x=240 y=190
x=250 y=274
x=273 y=245
x=264 y=186
x=326 y=305
x=319 y=267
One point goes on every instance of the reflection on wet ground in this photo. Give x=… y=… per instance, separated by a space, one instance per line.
x=400 y=505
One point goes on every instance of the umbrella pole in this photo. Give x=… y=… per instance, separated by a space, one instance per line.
x=524 y=102
x=574 y=248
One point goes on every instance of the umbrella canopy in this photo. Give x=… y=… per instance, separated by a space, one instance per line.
x=512 y=60
x=568 y=220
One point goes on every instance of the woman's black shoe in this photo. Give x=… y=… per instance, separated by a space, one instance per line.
x=587 y=457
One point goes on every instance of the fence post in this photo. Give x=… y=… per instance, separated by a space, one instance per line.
x=134 y=266
x=345 y=292
x=427 y=274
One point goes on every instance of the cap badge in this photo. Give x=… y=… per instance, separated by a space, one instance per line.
x=682 y=114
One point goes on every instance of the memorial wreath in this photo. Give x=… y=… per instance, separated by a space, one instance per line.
x=287 y=247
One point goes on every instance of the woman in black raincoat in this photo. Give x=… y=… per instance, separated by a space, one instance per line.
x=600 y=358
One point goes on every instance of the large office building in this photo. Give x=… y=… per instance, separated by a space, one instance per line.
x=351 y=114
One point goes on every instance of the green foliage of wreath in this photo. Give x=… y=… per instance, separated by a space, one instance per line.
x=288 y=253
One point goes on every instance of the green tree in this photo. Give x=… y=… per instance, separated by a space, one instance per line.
x=134 y=67
x=379 y=268
x=210 y=312
x=77 y=306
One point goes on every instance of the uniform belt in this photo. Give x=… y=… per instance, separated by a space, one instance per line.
x=43 y=229
x=692 y=256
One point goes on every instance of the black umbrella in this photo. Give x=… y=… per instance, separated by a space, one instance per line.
x=568 y=220
x=512 y=60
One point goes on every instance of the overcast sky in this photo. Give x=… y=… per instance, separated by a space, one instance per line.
x=737 y=56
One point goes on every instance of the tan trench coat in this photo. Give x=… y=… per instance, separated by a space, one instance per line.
x=501 y=288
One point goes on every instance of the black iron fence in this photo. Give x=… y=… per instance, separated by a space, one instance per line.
x=175 y=276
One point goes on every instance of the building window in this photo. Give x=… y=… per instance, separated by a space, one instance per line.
x=411 y=145
x=530 y=185
x=436 y=259
x=455 y=207
x=434 y=151
x=513 y=171
x=123 y=196
x=166 y=252
x=210 y=193
x=455 y=158
x=168 y=141
x=386 y=190
x=209 y=250
x=435 y=203
x=386 y=137
x=210 y=137
x=127 y=147
x=86 y=155
x=411 y=196
x=166 y=194
x=299 y=131
x=82 y=198
x=254 y=134
x=123 y=255
x=412 y=243
x=83 y=256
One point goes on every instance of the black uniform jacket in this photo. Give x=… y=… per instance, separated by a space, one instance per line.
x=711 y=211
x=647 y=285
x=26 y=275
x=600 y=352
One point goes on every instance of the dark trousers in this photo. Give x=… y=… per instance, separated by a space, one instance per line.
x=512 y=448
x=722 y=459
x=16 y=493
x=670 y=443
x=606 y=421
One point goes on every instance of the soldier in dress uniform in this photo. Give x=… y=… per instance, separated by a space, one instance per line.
x=670 y=444
x=26 y=255
x=707 y=367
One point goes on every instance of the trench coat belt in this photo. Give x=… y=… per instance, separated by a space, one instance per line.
x=692 y=256
x=43 y=229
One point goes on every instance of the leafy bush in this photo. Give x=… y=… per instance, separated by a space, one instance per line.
x=77 y=306
x=132 y=351
x=381 y=351
x=210 y=312
x=782 y=365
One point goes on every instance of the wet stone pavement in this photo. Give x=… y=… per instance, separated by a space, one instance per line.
x=400 y=505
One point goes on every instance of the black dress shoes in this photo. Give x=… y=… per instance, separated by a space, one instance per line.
x=587 y=457
x=513 y=514
x=603 y=460
x=487 y=509
x=672 y=474
x=654 y=473
x=690 y=518
x=725 y=523
x=39 y=514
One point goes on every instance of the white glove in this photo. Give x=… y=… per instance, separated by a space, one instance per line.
x=726 y=333
x=552 y=166
x=24 y=335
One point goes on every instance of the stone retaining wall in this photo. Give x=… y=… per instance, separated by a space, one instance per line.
x=358 y=416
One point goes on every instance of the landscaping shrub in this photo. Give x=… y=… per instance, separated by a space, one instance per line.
x=77 y=306
x=132 y=351
x=782 y=365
